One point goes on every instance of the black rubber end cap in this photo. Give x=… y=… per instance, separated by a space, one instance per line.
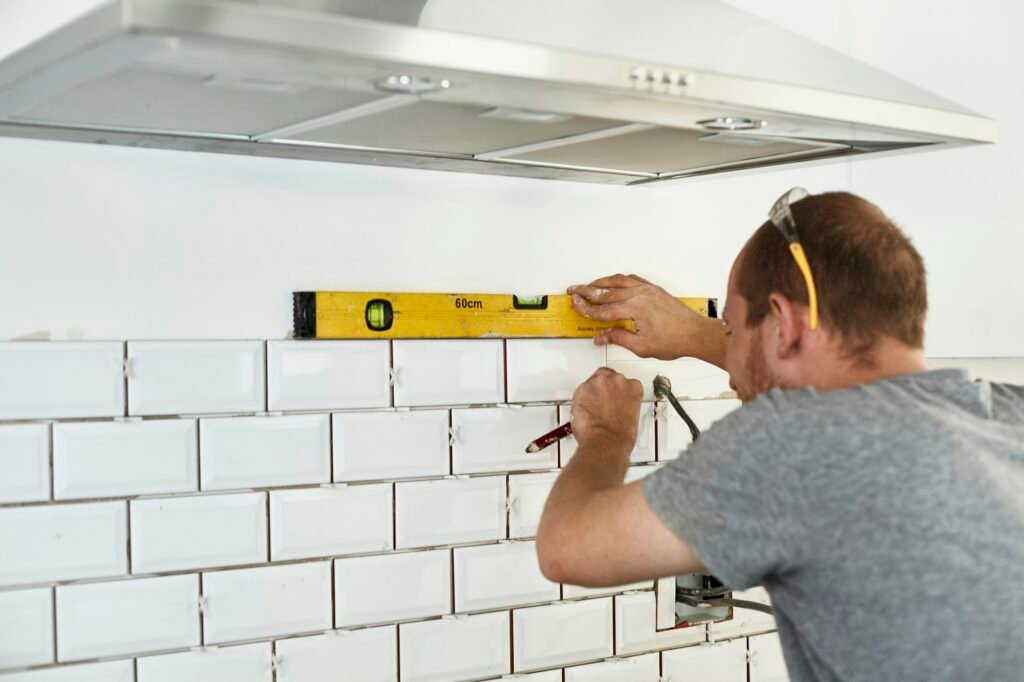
x=304 y=314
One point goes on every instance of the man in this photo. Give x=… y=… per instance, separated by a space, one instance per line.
x=881 y=505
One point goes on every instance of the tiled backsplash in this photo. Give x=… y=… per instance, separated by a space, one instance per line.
x=239 y=511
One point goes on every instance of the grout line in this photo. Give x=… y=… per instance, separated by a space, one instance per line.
x=512 y=643
x=266 y=501
x=53 y=613
x=135 y=669
x=266 y=377
x=391 y=371
x=504 y=367
x=273 y=654
x=52 y=483
x=124 y=374
x=451 y=448
x=199 y=459
x=128 y=534
x=334 y=600
x=202 y=615
x=451 y=577
x=394 y=516
x=398 y=652
x=330 y=445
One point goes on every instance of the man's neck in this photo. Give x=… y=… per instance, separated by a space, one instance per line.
x=889 y=358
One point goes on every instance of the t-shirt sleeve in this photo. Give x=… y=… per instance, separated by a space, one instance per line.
x=732 y=498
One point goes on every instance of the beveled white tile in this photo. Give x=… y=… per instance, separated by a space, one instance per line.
x=386 y=445
x=245 y=663
x=392 y=587
x=127 y=617
x=57 y=379
x=495 y=438
x=557 y=634
x=25 y=461
x=452 y=511
x=527 y=494
x=326 y=375
x=325 y=521
x=110 y=671
x=544 y=676
x=744 y=621
x=575 y=591
x=178 y=533
x=724 y=662
x=767 y=663
x=449 y=371
x=635 y=473
x=190 y=377
x=63 y=542
x=251 y=452
x=643 y=668
x=369 y=655
x=26 y=628
x=494 y=576
x=644 y=449
x=674 y=435
x=550 y=369
x=106 y=459
x=455 y=648
x=250 y=603
x=690 y=378
x=636 y=627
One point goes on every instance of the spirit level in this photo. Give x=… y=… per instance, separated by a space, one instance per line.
x=370 y=315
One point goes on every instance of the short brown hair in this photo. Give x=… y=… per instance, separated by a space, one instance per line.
x=870 y=278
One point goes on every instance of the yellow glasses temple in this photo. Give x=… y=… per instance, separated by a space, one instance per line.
x=812 y=293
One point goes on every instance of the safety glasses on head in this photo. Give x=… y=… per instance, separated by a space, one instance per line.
x=782 y=217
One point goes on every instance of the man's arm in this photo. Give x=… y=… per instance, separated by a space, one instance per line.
x=595 y=531
x=665 y=328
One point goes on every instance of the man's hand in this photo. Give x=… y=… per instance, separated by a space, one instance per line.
x=665 y=328
x=606 y=410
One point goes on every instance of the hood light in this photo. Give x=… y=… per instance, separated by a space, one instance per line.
x=411 y=85
x=731 y=123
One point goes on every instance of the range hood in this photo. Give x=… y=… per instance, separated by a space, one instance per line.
x=620 y=91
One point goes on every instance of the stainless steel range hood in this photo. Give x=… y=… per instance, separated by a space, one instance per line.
x=621 y=91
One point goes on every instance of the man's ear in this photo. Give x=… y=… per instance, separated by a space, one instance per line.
x=789 y=326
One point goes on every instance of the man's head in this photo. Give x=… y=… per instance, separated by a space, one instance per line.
x=872 y=301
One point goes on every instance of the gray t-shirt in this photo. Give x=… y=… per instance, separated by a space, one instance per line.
x=885 y=520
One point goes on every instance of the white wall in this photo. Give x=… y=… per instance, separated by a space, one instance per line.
x=114 y=243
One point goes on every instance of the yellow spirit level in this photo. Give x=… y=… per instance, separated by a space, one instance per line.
x=379 y=315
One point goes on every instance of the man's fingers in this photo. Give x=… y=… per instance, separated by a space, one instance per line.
x=639 y=278
x=617 y=281
x=619 y=337
x=610 y=312
x=603 y=295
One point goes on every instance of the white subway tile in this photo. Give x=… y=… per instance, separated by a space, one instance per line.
x=63 y=542
x=635 y=473
x=690 y=378
x=56 y=379
x=645 y=668
x=265 y=602
x=493 y=576
x=178 y=533
x=25 y=461
x=636 y=628
x=450 y=511
x=576 y=591
x=673 y=433
x=643 y=451
x=369 y=655
x=544 y=676
x=111 y=671
x=725 y=662
x=567 y=632
x=105 y=459
x=326 y=375
x=251 y=452
x=385 y=445
x=189 y=377
x=325 y=521
x=455 y=648
x=527 y=494
x=745 y=621
x=127 y=617
x=766 y=660
x=26 y=628
x=449 y=372
x=550 y=369
x=246 y=663
x=495 y=438
x=392 y=587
